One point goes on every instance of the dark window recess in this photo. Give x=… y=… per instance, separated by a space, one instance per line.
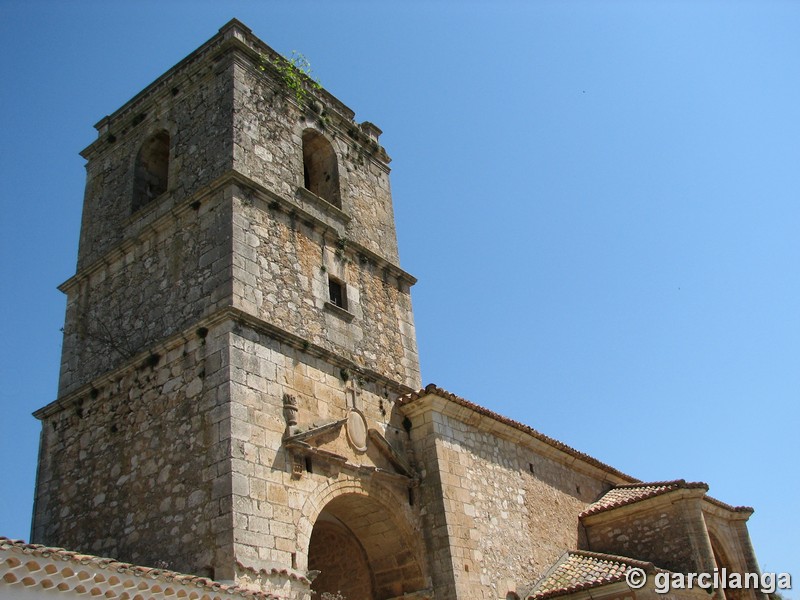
x=320 y=168
x=338 y=293
x=151 y=170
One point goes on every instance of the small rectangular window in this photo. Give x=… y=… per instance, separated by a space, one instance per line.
x=338 y=293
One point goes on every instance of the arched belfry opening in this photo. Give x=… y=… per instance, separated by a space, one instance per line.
x=320 y=168
x=151 y=173
x=362 y=552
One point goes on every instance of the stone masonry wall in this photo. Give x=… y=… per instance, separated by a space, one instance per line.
x=268 y=148
x=509 y=511
x=334 y=545
x=168 y=275
x=669 y=534
x=195 y=107
x=268 y=502
x=281 y=270
x=136 y=466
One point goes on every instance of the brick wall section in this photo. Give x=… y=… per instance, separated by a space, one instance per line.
x=135 y=467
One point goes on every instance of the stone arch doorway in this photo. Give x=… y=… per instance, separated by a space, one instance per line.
x=361 y=552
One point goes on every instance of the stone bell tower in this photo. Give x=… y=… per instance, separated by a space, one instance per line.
x=237 y=332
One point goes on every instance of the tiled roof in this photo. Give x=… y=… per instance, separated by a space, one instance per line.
x=578 y=570
x=739 y=509
x=629 y=493
x=623 y=495
x=434 y=389
x=35 y=566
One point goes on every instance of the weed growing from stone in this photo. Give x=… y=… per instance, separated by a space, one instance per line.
x=296 y=74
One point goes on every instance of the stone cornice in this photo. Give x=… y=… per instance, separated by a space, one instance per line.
x=146 y=226
x=433 y=398
x=260 y=326
x=635 y=494
x=304 y=195
x=333 y=227
x=726 y=511
x=140 y=230
x=654 y=503
x=219 y=316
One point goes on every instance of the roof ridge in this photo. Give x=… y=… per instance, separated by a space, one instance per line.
x=651 y=483
x=627 y=560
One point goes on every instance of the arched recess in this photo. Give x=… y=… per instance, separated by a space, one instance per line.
x=723 y=560
x=320 y=167
x=362 y=551
x=151 y=171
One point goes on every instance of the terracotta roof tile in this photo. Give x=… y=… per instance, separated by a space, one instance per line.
x=739 y=509
x=622 y=495
x=579 y=570
x=434 y=389
x=109 y=564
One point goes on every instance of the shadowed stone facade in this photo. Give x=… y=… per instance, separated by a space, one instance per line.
x=240 y=386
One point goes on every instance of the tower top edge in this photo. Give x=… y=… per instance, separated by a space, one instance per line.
x=234 y=35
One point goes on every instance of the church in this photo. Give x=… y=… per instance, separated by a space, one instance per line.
x=240 y=412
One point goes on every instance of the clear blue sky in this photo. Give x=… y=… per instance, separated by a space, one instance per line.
x=601 y=201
